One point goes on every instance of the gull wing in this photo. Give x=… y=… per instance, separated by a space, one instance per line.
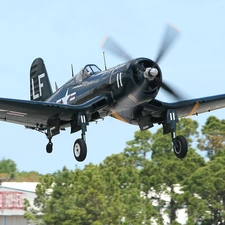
x=30 y=113
x=158 y=109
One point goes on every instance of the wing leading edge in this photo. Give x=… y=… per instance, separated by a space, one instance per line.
x=185 y=108
x=31 y=113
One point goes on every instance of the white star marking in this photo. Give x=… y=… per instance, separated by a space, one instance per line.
x=64 y=100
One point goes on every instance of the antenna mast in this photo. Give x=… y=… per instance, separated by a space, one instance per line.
x=104 y=61
x=72 y=70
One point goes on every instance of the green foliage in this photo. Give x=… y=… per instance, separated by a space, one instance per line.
x=213 y=135
x=93 y=195
x=130 y=187
x=138 y=149
x=165 y=171
x=31 y=176
x=8 y=166
x=9 y=172
x=205 y=193
x=188 y=128
x=8 y=169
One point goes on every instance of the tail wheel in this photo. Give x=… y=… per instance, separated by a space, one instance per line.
x=181 y=148
x=49 y=147
x=80 y=150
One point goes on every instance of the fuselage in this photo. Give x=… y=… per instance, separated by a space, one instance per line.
x=115 y=87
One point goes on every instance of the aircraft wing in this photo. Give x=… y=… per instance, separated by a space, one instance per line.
x=185 y=108
x=31 y=113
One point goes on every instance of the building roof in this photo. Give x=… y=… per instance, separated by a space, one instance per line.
x=20 y=186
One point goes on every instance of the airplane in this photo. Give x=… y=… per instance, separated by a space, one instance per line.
x=126 y=92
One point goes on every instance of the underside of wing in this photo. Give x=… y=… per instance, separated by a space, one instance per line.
x=158 y=110
x=35 y=113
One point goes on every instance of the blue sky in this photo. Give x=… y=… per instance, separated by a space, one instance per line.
x=65 y=32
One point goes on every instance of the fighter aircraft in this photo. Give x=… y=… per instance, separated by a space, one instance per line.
x=126 y=92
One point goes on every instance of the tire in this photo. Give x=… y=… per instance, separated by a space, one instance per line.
x=80 y=150
x=182 y=147
x=49 y=147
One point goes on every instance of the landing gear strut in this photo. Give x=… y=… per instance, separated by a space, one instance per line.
x=80 y=147
x=52 y=130
x=180 y=145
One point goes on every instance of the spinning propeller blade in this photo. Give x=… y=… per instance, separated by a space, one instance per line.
x=167 y=88
x=110 y=44
x=171 y=33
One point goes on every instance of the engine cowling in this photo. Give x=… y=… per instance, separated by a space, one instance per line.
x=135 y=82
x=146 y=70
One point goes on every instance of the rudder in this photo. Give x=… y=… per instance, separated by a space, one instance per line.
x=40 y=86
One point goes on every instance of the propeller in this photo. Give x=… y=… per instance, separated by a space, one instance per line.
x=112 y=46
x=170 y=35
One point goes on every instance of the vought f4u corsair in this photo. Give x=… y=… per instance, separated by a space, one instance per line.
x=126 y=92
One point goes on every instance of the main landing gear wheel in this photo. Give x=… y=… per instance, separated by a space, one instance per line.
x=80 y=150
x=181 y=147
x=49 y=147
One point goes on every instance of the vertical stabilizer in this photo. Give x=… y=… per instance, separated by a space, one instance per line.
x=40 y=86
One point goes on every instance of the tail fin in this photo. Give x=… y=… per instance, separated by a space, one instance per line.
x=40 y=86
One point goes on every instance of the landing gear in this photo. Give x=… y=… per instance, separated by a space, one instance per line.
x=49 y=147
x=180 y=145
x=80 y=150
x=79 y=147
x=52 y=131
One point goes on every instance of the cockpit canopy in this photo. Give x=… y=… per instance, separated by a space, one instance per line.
x=86 y=72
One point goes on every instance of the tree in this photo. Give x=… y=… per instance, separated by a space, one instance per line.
x=9 y=172
x=163 y=172
x=123 y=192
x=205 y=193
x=24 y=176
x=137 y=150
x=43 y=189
x=126 y=187
x=213 y=138
x=104 y=194
x=69 y=197
x=8 y=168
